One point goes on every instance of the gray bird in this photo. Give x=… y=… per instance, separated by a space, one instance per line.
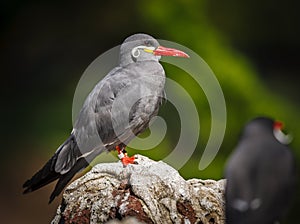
x=261 y=175
x=119 y=107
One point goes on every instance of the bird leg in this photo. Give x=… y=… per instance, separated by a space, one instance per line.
x=125 y=159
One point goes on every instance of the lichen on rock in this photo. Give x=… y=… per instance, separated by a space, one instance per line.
x=150 y=192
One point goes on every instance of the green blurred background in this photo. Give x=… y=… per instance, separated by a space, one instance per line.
x=252 y=47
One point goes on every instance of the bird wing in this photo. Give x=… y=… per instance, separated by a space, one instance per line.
x=278 y=178
x=120 y=106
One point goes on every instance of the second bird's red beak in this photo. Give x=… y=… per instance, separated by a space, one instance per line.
x=278 y=125
x=164 y=51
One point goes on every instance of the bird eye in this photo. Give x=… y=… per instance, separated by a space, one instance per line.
x=147 y=43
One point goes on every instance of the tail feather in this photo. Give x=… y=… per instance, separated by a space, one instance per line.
x=66 y=178
x=63 y=165
x=43 y=177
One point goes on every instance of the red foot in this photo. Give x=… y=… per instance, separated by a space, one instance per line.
x=125 y=159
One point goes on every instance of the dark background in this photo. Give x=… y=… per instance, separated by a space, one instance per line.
x=45 y=46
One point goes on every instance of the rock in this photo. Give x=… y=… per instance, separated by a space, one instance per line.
x=150 y=191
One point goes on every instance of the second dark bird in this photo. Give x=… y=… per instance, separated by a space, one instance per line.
x=260 y=175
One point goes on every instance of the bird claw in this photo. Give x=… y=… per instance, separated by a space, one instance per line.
x=126 y=160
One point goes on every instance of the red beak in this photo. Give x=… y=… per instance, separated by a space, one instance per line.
x=164 y=51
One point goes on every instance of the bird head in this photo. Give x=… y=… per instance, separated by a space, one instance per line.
x=142 y=47
x=262 y=126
